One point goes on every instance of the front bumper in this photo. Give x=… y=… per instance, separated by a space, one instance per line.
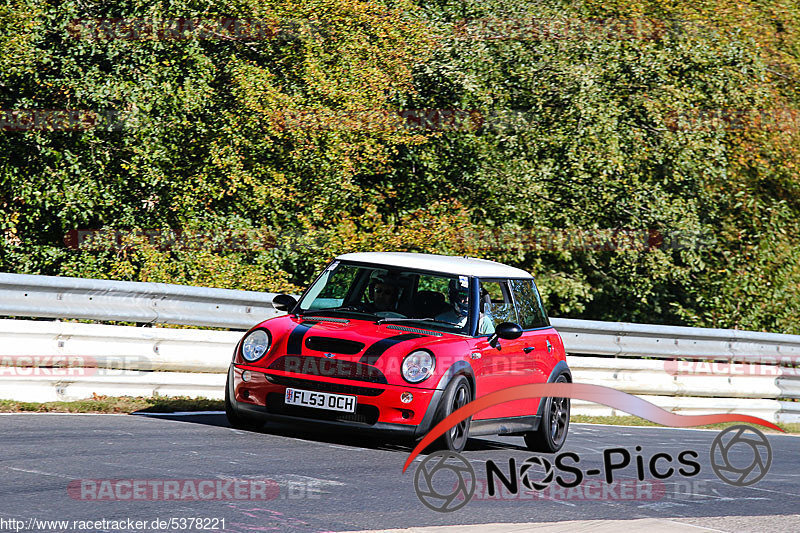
x=379 y=408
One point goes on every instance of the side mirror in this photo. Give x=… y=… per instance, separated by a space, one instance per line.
x=506 y=330
x=283 y=302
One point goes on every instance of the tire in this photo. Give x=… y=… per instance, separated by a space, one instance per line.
x=234 y=418
x=457 y=394
x=554 y=425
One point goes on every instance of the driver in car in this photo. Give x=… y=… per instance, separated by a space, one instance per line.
x=385 y=296
x=384 y=292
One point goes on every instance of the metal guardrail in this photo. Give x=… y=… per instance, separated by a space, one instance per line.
x=23 y=295
x=27 y=343
x=624 y=339
x=692 y=370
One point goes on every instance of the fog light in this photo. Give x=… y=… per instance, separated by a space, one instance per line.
x=246 y=375
x=406 y=397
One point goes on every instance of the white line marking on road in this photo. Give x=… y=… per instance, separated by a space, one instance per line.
x=63 y=414
x=654 y=525
x=38 y=472
x=178 y=413
x=684 y=524
x=343 y=447
x=296 y=478
x=791 y=494
x=182 y=413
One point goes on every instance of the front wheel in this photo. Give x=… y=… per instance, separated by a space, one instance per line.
x=457 y=394
x=553 y=426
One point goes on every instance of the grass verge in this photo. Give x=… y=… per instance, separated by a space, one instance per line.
x=115 y=404
x=636 y=421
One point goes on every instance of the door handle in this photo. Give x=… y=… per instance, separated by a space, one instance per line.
x=528 y=349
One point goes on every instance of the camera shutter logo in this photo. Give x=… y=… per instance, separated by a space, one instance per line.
x=456 y=480
x=729 y=455
x=527 y=469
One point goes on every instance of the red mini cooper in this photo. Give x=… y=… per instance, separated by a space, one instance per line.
x=395 y=342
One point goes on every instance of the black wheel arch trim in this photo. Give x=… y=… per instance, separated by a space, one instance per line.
x=459 y=368
x=559 y=369
x=231 y=391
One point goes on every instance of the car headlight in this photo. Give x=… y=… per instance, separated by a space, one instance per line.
x=418 y=366
x=255 y=345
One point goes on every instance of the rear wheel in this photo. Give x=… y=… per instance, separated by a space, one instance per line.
x=457 y=394
x=234 y=418
x=554 y=425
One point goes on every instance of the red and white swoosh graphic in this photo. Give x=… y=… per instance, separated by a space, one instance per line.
x=581 y=391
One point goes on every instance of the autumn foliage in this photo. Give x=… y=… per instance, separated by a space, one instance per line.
x=640 y=157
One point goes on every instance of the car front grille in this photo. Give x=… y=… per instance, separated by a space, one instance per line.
x=329 y=368
x=322 y=386
x=365 y=414
x=334 y=345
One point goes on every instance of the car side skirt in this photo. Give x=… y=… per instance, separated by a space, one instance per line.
x=504 y=426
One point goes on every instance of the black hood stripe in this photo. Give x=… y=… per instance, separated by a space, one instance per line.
x=375 y=351
x=294 y=344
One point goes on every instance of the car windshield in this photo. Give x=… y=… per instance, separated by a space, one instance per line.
x=391 y=294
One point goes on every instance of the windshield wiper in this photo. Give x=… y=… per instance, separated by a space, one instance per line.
x=390 y=319
x=345 y=308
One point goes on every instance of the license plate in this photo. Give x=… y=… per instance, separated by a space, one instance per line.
x=321 y=400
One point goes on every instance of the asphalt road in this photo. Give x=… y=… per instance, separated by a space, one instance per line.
x=324 y=482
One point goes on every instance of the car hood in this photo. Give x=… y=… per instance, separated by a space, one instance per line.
x=352 y=349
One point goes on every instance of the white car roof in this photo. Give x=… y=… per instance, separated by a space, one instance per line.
x=447 y=264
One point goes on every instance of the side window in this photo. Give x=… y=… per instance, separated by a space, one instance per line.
x=496 y=302
x=432 y=297
x=529 y=304
x=433 y=283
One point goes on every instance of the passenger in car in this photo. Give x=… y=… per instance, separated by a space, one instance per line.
x=428 y=304
x=458 y=313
